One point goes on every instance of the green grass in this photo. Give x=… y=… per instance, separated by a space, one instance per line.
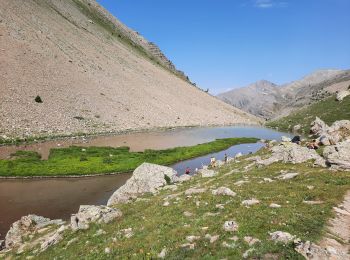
x=329 y=110
x=97 y=160
x=156 y=226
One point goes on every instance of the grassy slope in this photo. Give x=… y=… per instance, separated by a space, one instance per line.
x=329 y=110
x=93 y=160
x=156 y=226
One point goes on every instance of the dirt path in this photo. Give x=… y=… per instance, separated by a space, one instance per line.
x=335 y=244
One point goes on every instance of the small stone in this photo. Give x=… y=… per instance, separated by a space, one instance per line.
x=268 y=180
x=127 y=232
x=224 y=191
x=219 y=206
x=240 y=183
x=247 y=253
x=227 y=245
x=188 y=246
x=188 y=214
x=280 y=236
x=211 y=238
x=166 y=204
x=310 y=187
x=234 y=238
x=250 y=202
x=313 y=202
x=230 y=226
x=100 y=232
x=107 y=250
x=251 y=240
x=274 y=205
x=194 y=191
x=192 y=238
x=163 y=253
x=287 y=176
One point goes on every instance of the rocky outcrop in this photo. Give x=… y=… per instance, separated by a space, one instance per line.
x=338 y=156
x=342 y=94
x=25 y=226
x=292 y=153
x=93 y=214
x=146 y=178
x=330 y=135
x=282 y=237
x=318 y=127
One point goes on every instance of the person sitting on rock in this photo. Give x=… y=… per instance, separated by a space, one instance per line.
x=212 y=162
x=296 y=139
x=313 y=145
x=188 y=170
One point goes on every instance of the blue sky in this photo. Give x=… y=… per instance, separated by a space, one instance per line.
x=223 y=44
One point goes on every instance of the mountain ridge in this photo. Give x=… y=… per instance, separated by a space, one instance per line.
x=279 y=100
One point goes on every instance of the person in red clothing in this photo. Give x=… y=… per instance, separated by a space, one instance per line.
x=188 y=170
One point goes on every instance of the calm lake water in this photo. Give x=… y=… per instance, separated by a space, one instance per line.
x=59 y=198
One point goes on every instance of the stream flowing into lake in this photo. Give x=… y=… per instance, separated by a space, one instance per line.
x=59 y=198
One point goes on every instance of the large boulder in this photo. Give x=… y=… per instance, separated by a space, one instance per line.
x=146 y=178
x=93 y=214
x=318 y=127
x=338 y=156
x=25 y=226
x=292 y=153
x=330 y=135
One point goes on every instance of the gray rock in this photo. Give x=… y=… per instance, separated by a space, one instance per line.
x=93 y=214
x=250 y=202
x=224 y=191
x=312 y=251
x=286 y=139
x=251 y=240
x=189 y=246
x=280 y=236
x=287 y=176
x=25 y=226
x=52 y=240
x=206 y=173
x=211 y=238
x=342 y=94
x=292 y=153
x=274 y=205
x=296 y=128
x=230 y=226
x=191 y=191
x=318 y=127
x=163 y=253
x=184 y=178
x=338 y=156
x=146 y=178
x=191 y=239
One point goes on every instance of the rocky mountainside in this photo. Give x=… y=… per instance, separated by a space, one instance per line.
x=268 y=100
x=68 y=66
x=262 y=98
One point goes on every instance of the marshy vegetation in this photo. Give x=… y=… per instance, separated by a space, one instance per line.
x=99 y=160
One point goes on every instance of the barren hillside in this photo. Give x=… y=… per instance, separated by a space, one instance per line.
x=92 y=73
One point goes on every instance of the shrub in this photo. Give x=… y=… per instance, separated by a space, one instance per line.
x=38 y=99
